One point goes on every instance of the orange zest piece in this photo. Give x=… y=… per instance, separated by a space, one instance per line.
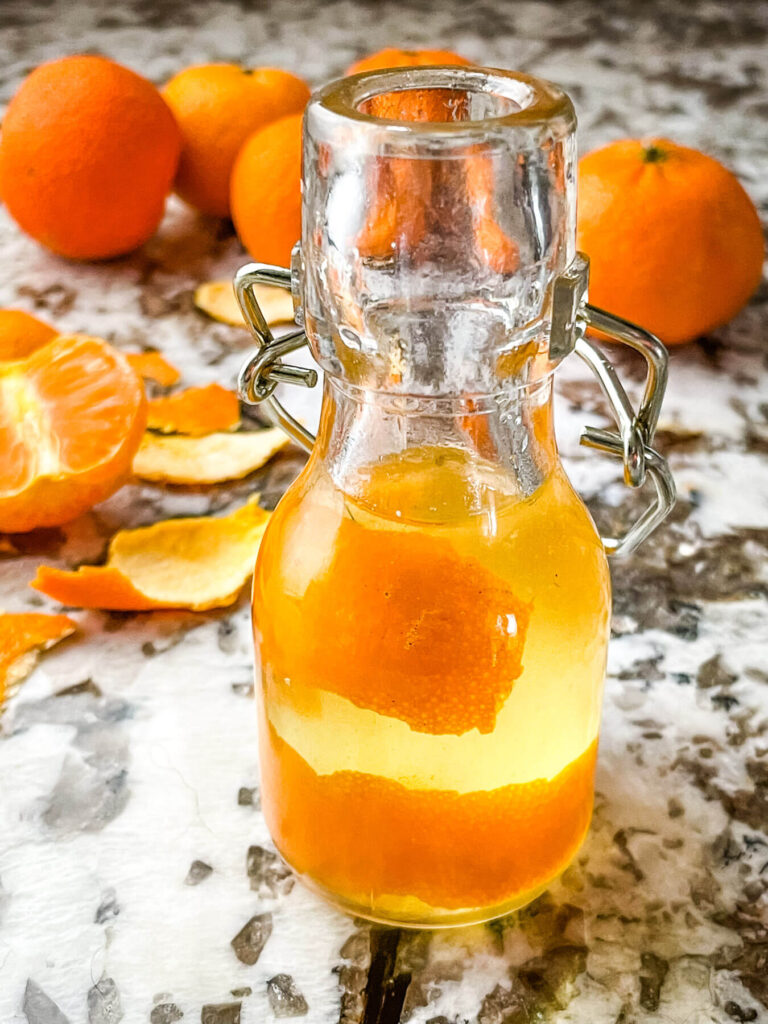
x=179 y=563
x=206 y=460
x=195 y=411
x=439 y=647
x=22 y=636
x=153 y=366
x=218 y=300
x=365 y=836
x=72 y=415
x=21 y=334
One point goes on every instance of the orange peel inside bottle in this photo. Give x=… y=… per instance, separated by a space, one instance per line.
x=402 y=625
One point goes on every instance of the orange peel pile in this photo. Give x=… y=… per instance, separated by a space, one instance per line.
x=218 y=300
x=196 y=563
x=205 y=460
x=152 y=365
x=195 y=411
x=22 y=636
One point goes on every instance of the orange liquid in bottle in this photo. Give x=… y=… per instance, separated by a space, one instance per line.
x=431 y=684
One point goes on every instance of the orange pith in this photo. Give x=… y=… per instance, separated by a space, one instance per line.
x=364 y=836
x=439 y=646
x=21 y=333
x=71 y=419
x=217 y=107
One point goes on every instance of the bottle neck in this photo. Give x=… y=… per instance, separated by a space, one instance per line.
x=434 y=459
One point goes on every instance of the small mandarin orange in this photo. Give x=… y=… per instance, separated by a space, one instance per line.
x=217 y=107
x=87 y=157
x=265 y=191
x=674 y=241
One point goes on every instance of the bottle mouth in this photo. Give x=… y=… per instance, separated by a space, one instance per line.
x=448 y=100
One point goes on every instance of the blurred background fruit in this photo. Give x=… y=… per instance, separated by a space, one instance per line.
x=88 y=154
x=392 y=57
x=21 y=333
x=217 y=107
x=674 y=241
x=265 y=191
x=72 y=416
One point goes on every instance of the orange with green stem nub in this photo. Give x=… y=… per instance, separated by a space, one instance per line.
x=217 y=107
x=674 y=241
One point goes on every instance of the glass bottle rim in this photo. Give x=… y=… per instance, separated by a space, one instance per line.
x=535 y=101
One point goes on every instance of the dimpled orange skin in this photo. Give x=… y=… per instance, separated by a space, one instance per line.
x=363 y=836
x=88 y=153
x=21 y=333
x=265 y=191
x=217 y=106
x=442 y=639
x=674 y=241
x=392 y=57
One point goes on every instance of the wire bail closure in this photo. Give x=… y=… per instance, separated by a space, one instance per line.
x=571 y=317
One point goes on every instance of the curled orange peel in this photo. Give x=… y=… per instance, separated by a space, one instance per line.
x=205 y=460
x=195 y=411
x=198 y=564
x=153 y=366
x=22 y=636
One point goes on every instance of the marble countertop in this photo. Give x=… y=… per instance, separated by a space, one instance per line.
x=132 y=847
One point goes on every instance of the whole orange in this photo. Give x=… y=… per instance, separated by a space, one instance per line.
x=392 y=57
x=217 y=106
x=88 y=154
x=674 y=241
x=265 y=191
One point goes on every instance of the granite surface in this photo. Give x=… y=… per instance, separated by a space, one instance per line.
x=137 y=878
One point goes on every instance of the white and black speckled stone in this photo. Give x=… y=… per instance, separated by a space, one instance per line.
x=114 y=774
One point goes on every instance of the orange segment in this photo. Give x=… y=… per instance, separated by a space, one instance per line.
x=153 y=366
x=439 y=647
x=71 y=419
x=365 y=836
x=195 y=411
x=180 y=563
x=22 y=635
x=21 y=333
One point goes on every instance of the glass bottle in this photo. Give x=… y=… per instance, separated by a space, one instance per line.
x=431 y=601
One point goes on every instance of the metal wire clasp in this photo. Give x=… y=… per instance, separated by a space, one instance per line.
x=260 y=376
x=632 y=442
x=571 y=316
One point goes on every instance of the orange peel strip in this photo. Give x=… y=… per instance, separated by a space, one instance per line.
x=195 y=411
x=153 y=366
x=218 y=300
x=21 y=334
x=206 y=460
x=178 y=563
x=22 y=636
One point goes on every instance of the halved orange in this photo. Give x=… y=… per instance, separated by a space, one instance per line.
x=72 y=415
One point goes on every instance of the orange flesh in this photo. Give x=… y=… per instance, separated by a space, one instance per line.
x=368 y=836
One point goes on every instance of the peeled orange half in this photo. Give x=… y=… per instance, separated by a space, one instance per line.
x=72 y=415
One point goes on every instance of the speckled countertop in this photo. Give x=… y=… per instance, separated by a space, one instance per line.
x=132 y=848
